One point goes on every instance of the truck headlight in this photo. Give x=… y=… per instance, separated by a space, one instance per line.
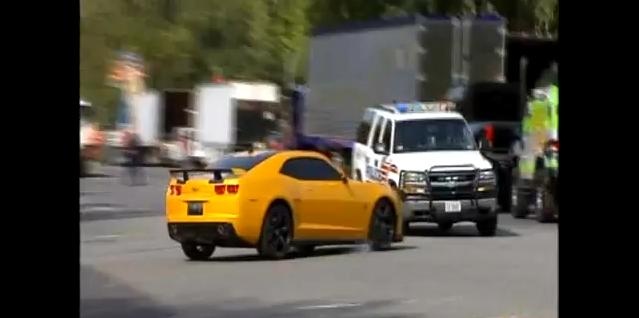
x=413 y=182
x=487 y=181
x=486 y=175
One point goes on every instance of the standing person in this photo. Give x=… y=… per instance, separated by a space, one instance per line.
x=134 y=158
x=137 y=170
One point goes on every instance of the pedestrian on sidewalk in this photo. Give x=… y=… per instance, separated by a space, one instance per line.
x=134 y=158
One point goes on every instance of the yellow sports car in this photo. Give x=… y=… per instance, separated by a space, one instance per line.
x=277 y=201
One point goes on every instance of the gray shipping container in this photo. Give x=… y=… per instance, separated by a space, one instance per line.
x=483 y=49
x=401 y=59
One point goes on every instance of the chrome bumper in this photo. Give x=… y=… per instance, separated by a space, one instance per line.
x=434 y=211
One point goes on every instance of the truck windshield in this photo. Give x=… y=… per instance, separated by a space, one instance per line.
x=432 y=135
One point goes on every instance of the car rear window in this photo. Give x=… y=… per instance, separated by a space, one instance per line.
x=242 y=161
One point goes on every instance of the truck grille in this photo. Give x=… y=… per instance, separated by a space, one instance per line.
x=452 y=185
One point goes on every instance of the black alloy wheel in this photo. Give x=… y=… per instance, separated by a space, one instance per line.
x=275 y=241
x=382 y=226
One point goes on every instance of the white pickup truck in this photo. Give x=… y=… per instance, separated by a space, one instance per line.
x=428 y=154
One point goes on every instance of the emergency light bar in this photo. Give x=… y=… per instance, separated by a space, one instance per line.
x=420 y=107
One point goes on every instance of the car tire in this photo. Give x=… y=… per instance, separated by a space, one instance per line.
x=276 y=236
x=198 y=252
x=445 y=226
x=382 y=226
x=487 y=227
x=305 y=250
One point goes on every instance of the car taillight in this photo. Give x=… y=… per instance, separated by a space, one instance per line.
x=219 y=189
x=232 y=188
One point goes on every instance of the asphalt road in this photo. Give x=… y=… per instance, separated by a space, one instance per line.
x=130 y=268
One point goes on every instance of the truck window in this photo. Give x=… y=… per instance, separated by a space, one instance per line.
x=377 y=129
x=364 y=128
x=386 y=137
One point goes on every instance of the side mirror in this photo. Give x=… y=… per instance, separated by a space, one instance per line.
x=483 y=145
x=379 y=148
x=344 y=179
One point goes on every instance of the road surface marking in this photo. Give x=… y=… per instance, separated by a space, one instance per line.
x=107 y=236
x=102 y=238
x=330 y=306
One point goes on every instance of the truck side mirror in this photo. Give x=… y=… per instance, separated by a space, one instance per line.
x=379 y=148
x=483 y=145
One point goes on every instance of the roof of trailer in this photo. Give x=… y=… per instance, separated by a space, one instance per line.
x=390 y=22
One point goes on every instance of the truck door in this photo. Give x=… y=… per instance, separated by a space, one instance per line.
x=361 y=146
x=374 y=159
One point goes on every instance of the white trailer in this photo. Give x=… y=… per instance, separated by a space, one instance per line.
x=215 y=115
x=214 y=120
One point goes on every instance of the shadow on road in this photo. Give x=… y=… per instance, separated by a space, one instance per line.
x=252 y=308
x=458 y=230
x=101 y=296
x=319 y=252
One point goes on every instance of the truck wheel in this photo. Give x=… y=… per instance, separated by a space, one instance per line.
x=487 y=227
x=358 y=175
x=505 y=191
x=519 y=204
x=445 y=226
x=545 y=207
x=405 y=227
x=198 y=252
x=519 y=208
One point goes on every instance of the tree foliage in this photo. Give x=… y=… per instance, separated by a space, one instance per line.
x=184 y=42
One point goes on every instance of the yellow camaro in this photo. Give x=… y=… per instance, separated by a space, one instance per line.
x=277 y=201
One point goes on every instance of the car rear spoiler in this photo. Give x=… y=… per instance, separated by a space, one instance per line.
x=182 y=175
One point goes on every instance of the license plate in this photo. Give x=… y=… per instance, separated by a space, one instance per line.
x=195 y=208
x=452 y=206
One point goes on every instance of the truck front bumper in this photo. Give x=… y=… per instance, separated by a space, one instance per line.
x=434 y=211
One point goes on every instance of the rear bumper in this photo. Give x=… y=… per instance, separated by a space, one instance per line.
x=434 y=211
x=217 y=233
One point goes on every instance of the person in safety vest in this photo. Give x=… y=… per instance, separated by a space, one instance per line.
x=536 y=187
